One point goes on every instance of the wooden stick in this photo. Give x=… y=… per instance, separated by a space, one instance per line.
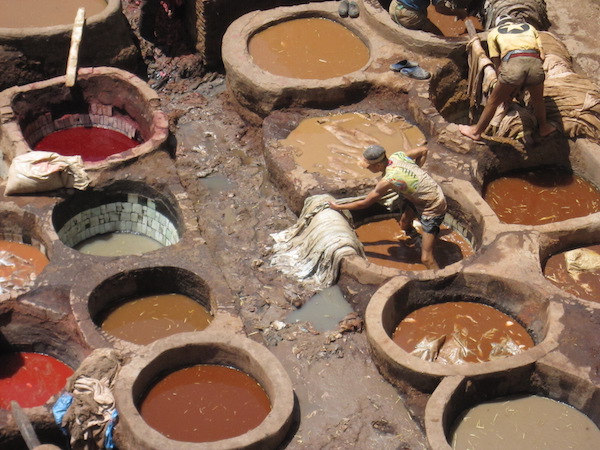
x=27 y=431
x=74 y=50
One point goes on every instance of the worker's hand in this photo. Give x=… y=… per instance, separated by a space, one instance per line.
x=335 y=206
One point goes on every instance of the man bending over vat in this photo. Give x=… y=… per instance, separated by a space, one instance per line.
x=412 y=14
x=517 y=53
x=421 y=193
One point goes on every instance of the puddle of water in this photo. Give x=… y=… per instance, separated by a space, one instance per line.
x=451 y=26
x=118 y=244
x=217 y=183
x=324 y=310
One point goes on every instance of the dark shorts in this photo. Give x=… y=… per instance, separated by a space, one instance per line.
x=431 y=225
x=522 y=71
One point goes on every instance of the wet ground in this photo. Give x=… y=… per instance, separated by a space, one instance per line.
x=343 y=401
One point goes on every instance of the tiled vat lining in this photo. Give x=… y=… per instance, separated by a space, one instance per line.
x=455 y=225
x=136 y=215
x=23 y=239
x=100 y=116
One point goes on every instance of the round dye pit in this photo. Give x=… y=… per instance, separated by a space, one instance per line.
x=19 y=264
x=143 y=305
x=576 y=271
x=23 y=249
x=107 y=39
x=524 y=421
x=91 y=143
x=144 y=320
x=542 y=407
x=386 y=244
x=109 y=117
x=541 y=195
x=205 y=403
x=48 y=13
x=496 y=348
x=30 y=379
x=185 y=364
x=309 y=48
x=460 y=332
x=124 y=219
x=332 y=145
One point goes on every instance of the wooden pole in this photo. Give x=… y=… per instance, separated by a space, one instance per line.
x=74 y=50
x=27 y=431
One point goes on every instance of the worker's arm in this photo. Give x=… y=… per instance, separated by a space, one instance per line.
x=497 y=61
x=382 y=188
x=418 y=154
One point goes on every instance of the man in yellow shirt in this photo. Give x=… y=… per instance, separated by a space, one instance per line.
x=517 y=54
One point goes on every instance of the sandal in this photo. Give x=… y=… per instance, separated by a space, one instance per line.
x=402 y=64
x=417 y=73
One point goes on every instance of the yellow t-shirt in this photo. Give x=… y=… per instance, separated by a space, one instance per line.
x=512 y=36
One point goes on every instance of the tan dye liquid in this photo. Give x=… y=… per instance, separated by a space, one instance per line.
x=118 y=244
x=583 y=278
x=385 y=244
x=19 y=264
x=309 y=48
x=333 y=145
x=524 y=422
x=205 y=403
x=45 y=13
x=451 y=26
x=479 y=328
x=147 y=319
x=541 y=196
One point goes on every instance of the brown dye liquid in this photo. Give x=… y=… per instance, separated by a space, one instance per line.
x=45 y=13
x=479 y=327
x=19 y=263
x=118 y=244
x=583 y=280
x=541 y=196
x=524 y=422
x=205 y=403
x=451 y=26
x=333 y=145
x=147 y=319
x=385 y=244
x=309 y=48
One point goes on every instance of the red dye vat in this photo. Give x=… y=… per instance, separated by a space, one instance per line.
x=91 y=143
x=30 y=378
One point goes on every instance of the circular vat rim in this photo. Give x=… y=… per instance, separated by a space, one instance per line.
x=563 y=240
x=25 y=227
x=213 y=347
x=137 y=282
x=261 y=91
x=74 y=219
x=112 y=7
x=441 y=411
x=465 y=219
x=399 y=366
x=417 y=40
x=153 y=119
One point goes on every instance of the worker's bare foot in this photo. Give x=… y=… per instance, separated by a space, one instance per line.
x=547 y=130
x=469 y=131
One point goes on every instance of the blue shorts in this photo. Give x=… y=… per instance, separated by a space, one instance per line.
x=431 y=225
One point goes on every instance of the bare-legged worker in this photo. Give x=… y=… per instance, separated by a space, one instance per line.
x=412 y=14
x=517 y=54
x=402 y=174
